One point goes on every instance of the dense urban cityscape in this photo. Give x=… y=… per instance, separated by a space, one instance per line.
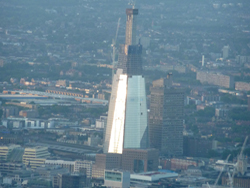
x=119 y=93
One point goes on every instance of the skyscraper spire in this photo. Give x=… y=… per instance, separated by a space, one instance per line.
x=131 y=26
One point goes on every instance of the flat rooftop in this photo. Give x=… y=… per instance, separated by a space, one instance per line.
x=152 y=176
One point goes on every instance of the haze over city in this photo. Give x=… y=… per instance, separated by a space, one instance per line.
x=119 y=93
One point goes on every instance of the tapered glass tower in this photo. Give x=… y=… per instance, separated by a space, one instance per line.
x=127 y=125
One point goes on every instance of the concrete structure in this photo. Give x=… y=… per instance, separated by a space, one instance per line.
x=166 y=117
x=215 y=79
x=35 y=157
x=107 y=161
x=140 y=160
x=132 y=160
x=127 y=116
x=116 y=179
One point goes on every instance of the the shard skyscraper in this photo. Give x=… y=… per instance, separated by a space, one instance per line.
x=127 y=125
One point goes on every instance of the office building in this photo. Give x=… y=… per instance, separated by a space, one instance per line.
x=117 y=179
x=127 y=116
x=166 y=117
x=35 y=157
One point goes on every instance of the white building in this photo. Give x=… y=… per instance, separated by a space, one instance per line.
x=116 y=179
x=151 y=176
x=101 y=123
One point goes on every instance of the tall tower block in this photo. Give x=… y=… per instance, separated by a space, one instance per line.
x=166 y=117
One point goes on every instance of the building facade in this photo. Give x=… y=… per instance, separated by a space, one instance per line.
x=215 y=79
x=166 y=117
x=196 y=147
x=36 y=156
x=117 y=179
x=140 y=160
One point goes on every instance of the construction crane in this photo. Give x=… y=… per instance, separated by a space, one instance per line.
x=132 y=3
x=239 y=166
x=230 y=180
x=243 y=146
x=114 y=48
x=215 y=183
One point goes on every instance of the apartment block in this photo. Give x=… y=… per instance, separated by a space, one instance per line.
x=215 y=79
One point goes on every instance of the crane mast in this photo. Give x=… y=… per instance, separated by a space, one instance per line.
x=114 y=47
